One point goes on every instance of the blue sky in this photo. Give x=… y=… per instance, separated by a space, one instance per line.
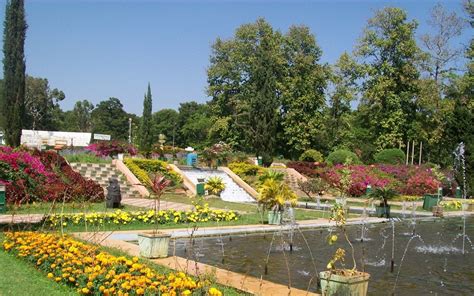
x=99 y=49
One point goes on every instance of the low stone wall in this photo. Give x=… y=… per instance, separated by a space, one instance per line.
x=239 y=181
x=131 y=179
x=186 y=181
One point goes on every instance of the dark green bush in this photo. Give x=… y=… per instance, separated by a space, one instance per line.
x=311 y=155
x=390 y=156
x=341 y=156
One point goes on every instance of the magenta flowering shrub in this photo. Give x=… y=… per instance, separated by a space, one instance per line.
x=42 y=176
x=422 y=182
x=111 y=148
x=409 y=180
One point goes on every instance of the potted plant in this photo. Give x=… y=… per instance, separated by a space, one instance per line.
x=344 y=184
x=154 y=244
x=273 y=195
x=342 y=280
x=214 y=185
x=384 y=194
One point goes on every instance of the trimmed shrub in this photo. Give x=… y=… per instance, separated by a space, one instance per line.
x=310 y=169
x=245 y=169
x=142 y=168
x=311 y=155
x=390 y=156
x=340 y=157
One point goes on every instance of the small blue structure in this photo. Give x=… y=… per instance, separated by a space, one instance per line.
x=191 y=159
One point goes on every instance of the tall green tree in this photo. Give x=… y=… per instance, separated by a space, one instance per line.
x=446 y=27
x=390 y=58
x=194 y=122
x=261 y=112
x=244 y=82
x=344 y=91
x=81 y=116
x=14 y=70
x=302 y=95
x=41 y=103
x=165 y=122
x=109 y=118
x=146 y=139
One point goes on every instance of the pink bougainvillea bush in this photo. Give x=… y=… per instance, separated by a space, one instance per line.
x=111 y=148
x=43 y=176
x=409 y=180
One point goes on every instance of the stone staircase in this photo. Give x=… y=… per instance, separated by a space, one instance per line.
x=291 y=179
x=101 y=173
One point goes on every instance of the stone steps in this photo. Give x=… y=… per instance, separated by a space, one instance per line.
x=101 y=173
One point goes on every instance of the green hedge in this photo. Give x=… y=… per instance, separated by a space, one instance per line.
x=390 y=156
x=311 y=155
x=340 y=157
x=245 y=169
x=142 y=168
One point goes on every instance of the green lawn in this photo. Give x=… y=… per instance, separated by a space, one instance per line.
x=19 y=278
x=73 y=207
x=86 y=158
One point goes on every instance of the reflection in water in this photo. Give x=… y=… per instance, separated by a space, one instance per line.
x=432 y=263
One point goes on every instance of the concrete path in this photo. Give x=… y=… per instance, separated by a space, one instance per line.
x=150 y=204
x=360 y=209
x=23 y=218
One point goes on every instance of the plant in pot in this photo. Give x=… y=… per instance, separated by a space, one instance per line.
x=384 y=194
x=154 y=244
x=338 y=279
x=272 y=196
x=214 y=185
x=345 y=183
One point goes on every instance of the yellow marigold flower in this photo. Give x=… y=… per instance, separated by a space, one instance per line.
x=50 y=275
x=214 y=292
x=85 y=291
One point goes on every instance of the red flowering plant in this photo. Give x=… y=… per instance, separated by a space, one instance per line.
x=42 y=176
x=404 y=179
x=158 y=186
x=111 y=148
x=307 y=168
x=217 y=154
x=23 y=174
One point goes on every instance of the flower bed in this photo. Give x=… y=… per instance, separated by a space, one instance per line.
x=93 y=272
x=408 y=180
x=143 y=168
x=43 y=176
x=111 y=148
x=200 y=214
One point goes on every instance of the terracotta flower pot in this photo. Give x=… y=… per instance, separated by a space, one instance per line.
x=344 y=284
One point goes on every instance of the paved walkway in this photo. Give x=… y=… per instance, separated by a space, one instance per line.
x=150 y=204
x=407 y=213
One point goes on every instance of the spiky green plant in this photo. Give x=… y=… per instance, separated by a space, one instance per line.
x=214 y=185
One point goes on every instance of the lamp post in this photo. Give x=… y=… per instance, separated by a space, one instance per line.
x=130 y=130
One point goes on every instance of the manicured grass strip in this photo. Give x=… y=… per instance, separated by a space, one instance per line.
x=18 y=278
x=56 y=208
x=86 y=158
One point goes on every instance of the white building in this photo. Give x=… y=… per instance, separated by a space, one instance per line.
x=37 y=139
